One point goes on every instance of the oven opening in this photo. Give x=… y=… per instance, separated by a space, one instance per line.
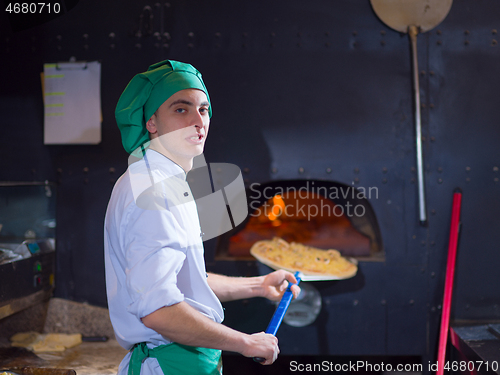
x=322 y=214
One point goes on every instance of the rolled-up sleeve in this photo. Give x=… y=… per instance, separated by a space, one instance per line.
x=154 y=257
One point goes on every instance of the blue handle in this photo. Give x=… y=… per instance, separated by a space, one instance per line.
x=280 y=312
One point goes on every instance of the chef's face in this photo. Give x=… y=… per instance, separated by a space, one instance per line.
x=179 y=128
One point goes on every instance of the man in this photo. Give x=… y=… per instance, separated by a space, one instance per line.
x=163 y=305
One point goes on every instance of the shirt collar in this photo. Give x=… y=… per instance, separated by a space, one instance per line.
x=166 y=165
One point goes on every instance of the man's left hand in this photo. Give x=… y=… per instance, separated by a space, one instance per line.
x=275 y=284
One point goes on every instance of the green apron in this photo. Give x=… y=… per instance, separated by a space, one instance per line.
x=177 y=359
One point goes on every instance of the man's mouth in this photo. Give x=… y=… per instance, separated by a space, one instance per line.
x=196 y=138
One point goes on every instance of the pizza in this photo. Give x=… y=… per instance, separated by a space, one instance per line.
x=311 y=261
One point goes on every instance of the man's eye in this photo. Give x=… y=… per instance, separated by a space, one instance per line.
x=203 y=110
x=180 y=110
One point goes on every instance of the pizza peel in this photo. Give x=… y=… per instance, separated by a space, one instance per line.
x=282 y=308
x=414 y=17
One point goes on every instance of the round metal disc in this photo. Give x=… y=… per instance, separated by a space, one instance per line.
x=399 y=14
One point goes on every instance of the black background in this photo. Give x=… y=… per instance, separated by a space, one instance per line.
x=315 y=85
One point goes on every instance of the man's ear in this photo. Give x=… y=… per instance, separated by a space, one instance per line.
x=151 y=126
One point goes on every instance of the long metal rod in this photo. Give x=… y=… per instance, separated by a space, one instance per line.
x=413 y=32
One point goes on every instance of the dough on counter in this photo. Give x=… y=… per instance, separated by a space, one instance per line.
x=49 y=342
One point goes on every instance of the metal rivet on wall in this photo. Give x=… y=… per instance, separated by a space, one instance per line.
x=495 y=169
x=494 y=31
x=467 y=169
x=112 y=40
x=301 y=170
x=384 y=170
x=440 y=180
x=246 y=170
x=273 y=34
x=494 y=42
x=384 y=180
x=440 y=169
x=328 y=170
x=274 y=170
x=86 y=39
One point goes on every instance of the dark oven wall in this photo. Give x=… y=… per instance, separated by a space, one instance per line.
x=300 y=90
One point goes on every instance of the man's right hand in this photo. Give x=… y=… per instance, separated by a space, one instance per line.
x=262 y=345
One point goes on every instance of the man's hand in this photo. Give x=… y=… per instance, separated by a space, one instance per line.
x=275 y=284
x=262 y=345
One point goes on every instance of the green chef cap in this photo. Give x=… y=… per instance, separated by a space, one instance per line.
x=146 y=92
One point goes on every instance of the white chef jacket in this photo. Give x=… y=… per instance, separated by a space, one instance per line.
x=153 y=252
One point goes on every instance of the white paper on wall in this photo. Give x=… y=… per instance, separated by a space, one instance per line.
x=72 y=102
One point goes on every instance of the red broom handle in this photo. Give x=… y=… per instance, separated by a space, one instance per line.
x=448 y=283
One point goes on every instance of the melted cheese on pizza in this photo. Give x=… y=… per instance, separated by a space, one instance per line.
x=307 y=259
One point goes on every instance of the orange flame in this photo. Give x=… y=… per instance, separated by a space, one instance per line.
x=277 y=210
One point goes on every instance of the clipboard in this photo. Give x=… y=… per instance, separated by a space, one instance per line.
x=72 y=102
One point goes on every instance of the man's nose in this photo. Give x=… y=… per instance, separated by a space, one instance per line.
x=198 y=121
